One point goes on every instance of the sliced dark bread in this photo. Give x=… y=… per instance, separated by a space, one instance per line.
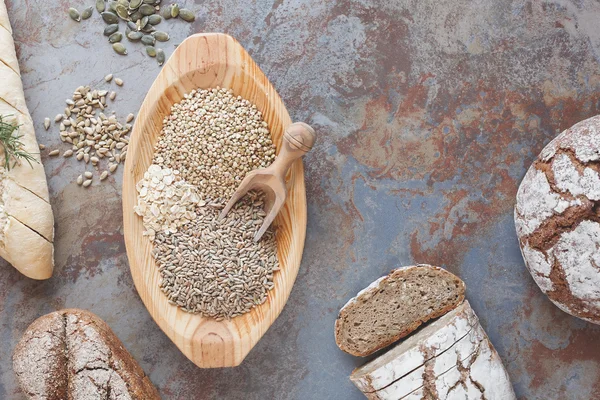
x=394 y=306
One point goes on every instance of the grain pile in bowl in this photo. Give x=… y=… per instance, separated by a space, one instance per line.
x=208 y=144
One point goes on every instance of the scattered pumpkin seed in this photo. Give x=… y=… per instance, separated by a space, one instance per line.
x=134 y=36
x=108 y=77
x=100 y=6
x=187 y=15
x=154 y=19
x=74 y=14
x=165 y=12
x=115 y=37
x=110 y=18
x=148 y=29
x=143 y=22
x=146 y=9
x=131 y=25
x=148 y=40
x=174 y=10
x=85 y=14
x=119 y=81
x=122 y=12
x=112 y=7
x=160 y=56
x=136 y=16
x=161 y=36
x=150 y=2
x=119 y=49
x=151 y=51
x=134 y=4
x=110 y=29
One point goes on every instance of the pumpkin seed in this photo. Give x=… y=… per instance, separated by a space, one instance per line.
x=110 y=18
x=154 y=19
x=87 y=13
x=143 y=22
x=160 y=56
x=134 y=4
x=187 y=15
x=122 y=12
x=110 y=29
x=151 y=51
x=100 y=6
x=136 y=16
x=115 y=37
x=174 y=10
x=165 y=12
x=161 y=36
x=74 y=14
x=148 y=29
x=131 y=25
x=134 y=36
x=112 y=7
x=119 y=49
x=124 y=3
x=148 y=40
x=151 y=2
x=147 y=9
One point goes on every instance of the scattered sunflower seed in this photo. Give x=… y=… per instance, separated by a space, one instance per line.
x=74 y=14
x=108 y=77
x=54 y=153
x=129 y=118
x=115 y=37
x=80 y=180
x=119 y=49
x=46 y=123
x=68 y=153
x=41 y=146
x=112 y=95
x=88 y=174
x=87 y=183
x=104 y=175
x=119 y=81
x=58 y=118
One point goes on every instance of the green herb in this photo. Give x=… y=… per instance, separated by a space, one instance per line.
x=12 y=145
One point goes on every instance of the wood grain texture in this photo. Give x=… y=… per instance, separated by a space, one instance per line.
x=207 y=61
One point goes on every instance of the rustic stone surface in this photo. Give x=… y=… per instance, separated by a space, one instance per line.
x=429 y=115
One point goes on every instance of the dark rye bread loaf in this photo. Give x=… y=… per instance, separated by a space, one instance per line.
x=394 y=306
x=73 y=355
x=557 y=217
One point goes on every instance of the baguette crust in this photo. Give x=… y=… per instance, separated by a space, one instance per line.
x=26 y=219
x=72 y=354
x=365 y=294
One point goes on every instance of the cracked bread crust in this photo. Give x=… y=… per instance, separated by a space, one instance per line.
x=73 y=355
x=373 y=319
x=557 y=217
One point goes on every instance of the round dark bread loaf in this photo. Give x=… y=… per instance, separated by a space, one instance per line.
x=73 y=355
x=557 y=217
x=394 y=306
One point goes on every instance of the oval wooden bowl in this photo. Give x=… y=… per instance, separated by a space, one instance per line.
x=207 y=61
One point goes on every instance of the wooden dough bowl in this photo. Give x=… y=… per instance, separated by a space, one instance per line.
x=207 y=61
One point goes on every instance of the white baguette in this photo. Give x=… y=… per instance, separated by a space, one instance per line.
x=26 y=220
x=413 y=352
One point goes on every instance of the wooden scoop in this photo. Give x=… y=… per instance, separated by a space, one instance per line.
x=298 y=139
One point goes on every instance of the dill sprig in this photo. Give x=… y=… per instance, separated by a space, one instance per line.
x=11 y=143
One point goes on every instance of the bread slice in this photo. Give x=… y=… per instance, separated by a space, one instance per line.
x=436 y=338
x=394 y=306
x=72 y=354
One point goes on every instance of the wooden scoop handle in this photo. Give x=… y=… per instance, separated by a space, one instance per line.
x=298 y=139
